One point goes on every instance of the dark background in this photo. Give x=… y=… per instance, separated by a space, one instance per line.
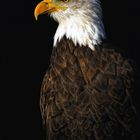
x=26 y=47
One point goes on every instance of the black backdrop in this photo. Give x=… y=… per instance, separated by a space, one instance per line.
x=26 y=47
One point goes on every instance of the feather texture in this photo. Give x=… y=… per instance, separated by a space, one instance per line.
x=81 y=22
x=86 y=95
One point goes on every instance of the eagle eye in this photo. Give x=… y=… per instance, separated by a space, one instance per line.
x=65 y=0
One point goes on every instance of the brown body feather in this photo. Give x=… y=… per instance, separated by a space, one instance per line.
x=86 y=95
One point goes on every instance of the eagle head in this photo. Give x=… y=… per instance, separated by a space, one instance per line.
x=79 y=20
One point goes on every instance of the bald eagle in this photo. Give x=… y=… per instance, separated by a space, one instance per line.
x=87 y=90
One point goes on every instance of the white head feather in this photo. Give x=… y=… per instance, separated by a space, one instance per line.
x=81 y=22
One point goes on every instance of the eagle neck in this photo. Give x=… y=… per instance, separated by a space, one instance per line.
x=84 y=26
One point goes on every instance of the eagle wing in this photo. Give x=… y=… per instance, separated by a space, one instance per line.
x=88 y=95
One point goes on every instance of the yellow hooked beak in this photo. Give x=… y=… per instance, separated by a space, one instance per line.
x=47 y=6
